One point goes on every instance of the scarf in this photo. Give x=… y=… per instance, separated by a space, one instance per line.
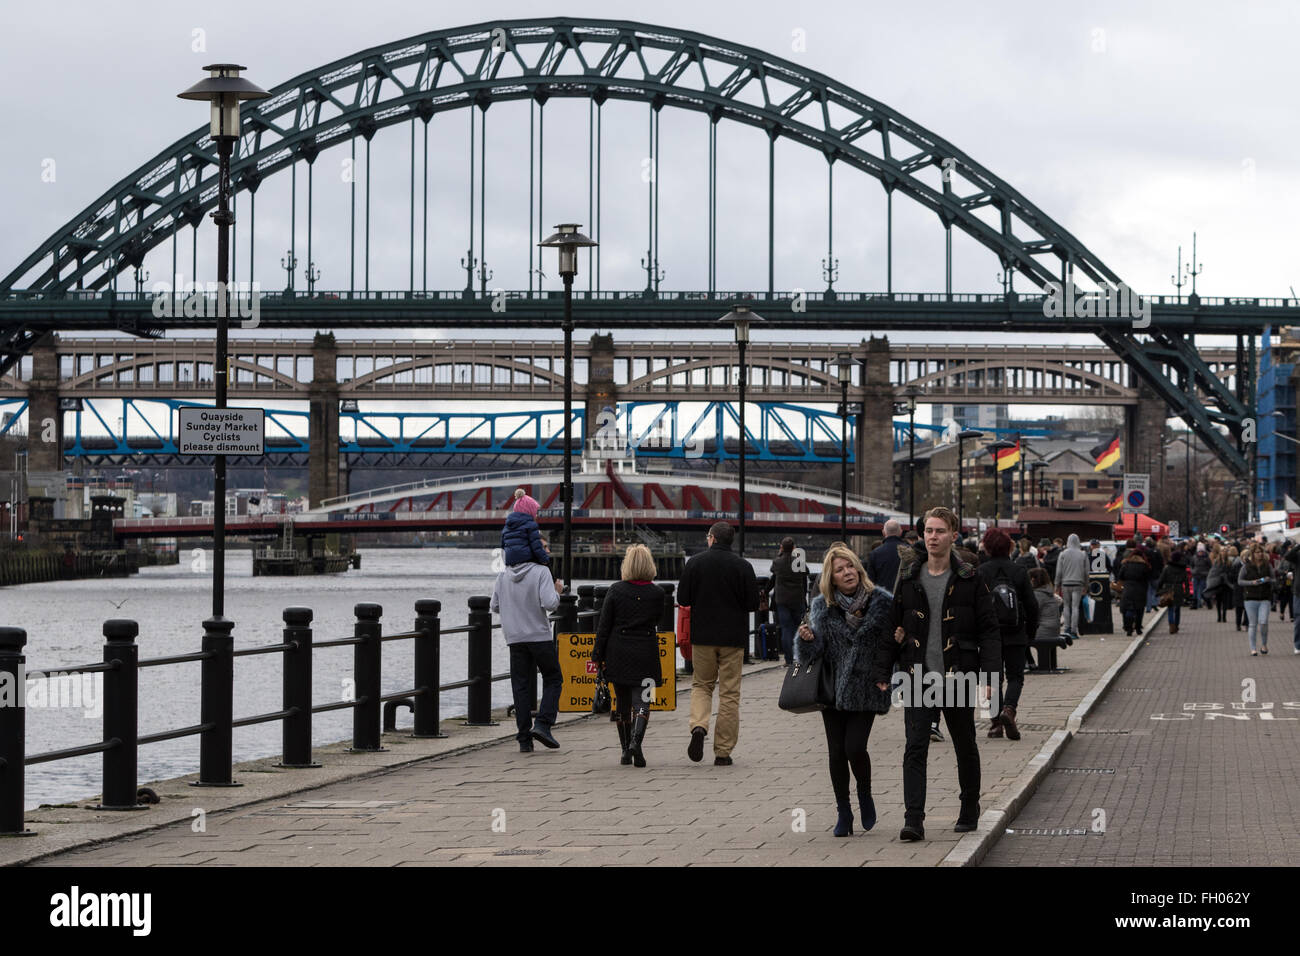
x=854 y=605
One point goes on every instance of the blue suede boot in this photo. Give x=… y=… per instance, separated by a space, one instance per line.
x=844 y=825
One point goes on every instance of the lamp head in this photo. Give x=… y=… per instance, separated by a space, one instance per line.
x=224 y=88
x=568 y=240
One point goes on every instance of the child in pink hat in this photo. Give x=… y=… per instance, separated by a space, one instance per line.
x=521 y=538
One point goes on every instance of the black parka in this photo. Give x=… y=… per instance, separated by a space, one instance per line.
x=1004 y=569
x=971 y=638
x=720 y=588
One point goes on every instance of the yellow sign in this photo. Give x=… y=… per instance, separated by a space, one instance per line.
x=580 y=673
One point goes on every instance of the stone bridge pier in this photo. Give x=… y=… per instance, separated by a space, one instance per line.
x=323 y=427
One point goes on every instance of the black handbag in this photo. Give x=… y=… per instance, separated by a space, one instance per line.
x=600 y=702
x=808 y=687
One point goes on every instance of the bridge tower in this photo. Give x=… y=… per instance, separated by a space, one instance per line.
x=874 y=451
x=323 y=427
x=42 y=407
x=601 y=390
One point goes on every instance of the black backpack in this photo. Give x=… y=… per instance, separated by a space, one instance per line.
x=1006 y=602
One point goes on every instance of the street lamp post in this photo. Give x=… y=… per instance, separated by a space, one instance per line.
x=962 y=436
x=740 y=318
x=568 y=240
x=1037 y=468
x=844 y=370
x=224 y=88
x=995 y=447
x=911 y=393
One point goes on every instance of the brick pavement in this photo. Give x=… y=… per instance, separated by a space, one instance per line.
x=494 y=806
x=1210 y=786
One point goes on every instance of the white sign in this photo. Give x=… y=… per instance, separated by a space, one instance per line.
x=1174 y=530
x=1137 y=494
x=221 y=431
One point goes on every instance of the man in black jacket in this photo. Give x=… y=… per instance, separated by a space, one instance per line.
x=789 y=585
x=1016 y=603
x=882 y=562
x=721 y=590
x=944 y=625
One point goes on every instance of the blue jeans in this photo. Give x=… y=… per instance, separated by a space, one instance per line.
x=1198 y=591
x=525 y=661
x=788 y=618
x=1257 y=616
x=1151 y=596
x=1175 y=613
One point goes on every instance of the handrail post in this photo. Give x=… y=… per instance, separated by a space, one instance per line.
x=295 y=731
x=586 y=598
x=217 y=705
x=366 y=670
x=479 y=654
x=121 y=715
x=598 y=603
x=761 y=619
x=13 y=716
x=428 y=669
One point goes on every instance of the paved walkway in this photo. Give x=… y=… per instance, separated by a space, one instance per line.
x=495 y=806
x=1185 y=771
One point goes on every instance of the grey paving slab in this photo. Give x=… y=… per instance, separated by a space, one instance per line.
x=1189 y=759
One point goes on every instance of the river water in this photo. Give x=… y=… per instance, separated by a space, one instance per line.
x=64 y=623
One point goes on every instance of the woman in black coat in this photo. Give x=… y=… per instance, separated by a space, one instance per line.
x=997 y=570
x=1134 y=573
x=845 y=623
x=627 y=648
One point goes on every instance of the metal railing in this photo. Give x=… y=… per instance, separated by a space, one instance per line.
x=121 y=666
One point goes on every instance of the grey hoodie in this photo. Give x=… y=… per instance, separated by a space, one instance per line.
x=1072 y=565
x=522 y=595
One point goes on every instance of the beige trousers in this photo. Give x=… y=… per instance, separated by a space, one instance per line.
x=721 y=666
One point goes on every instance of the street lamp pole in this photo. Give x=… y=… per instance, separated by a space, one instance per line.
x=962 y=435
x=223 y=89
x=568 y=240
x=911 y=392
x=996 y=447
x=844 y=370
x=739 y=318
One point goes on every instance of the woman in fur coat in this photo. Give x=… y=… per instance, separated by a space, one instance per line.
x=847 y=620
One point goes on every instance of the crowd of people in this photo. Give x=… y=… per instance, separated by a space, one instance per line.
x=921 y=623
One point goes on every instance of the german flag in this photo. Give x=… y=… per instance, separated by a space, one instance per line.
x=1008 y=457
x=1106 y=454
x=1114 y=503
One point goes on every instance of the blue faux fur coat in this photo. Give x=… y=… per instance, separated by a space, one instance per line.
x=850 y=653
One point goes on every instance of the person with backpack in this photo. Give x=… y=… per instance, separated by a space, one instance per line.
x=1017 y=612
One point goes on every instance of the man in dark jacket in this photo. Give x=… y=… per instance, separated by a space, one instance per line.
x=943 y=622
x=721 y=590
x=882 y=562
x=1015 y=602
x=789 y=585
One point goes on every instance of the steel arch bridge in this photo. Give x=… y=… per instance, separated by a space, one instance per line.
x=412 y=80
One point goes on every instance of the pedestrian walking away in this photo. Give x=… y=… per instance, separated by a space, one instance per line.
x=789 y=586
x=944 y=624
x=1133 y=575
x=627 y=648
x=1172 y=584
x=721 y=590
x=523 y=595
x=847 y=622
x=1017 y=612
x=1200 y=574
x=882 y=562
x=1071 y=581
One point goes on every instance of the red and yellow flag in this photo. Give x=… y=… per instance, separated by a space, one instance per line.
x=1008 y=457
x=1106 y=453
x=1114 y=503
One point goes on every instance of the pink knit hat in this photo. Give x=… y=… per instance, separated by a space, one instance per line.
x=526 y=503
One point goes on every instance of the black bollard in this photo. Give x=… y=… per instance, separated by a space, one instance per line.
x=217 y=705
x=668 y=620
x=566 y=615
x=428 y=669
x=479 y=653
x=367 y=713
x=13 y=690
x=763 y=649
x=121 y=715
x=295 y=731
x=586 y=597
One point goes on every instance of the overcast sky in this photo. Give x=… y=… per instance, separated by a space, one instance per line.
x=1132 y=125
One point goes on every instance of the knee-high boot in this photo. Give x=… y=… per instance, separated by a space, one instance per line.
x=624 y=738
x=639 y=721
